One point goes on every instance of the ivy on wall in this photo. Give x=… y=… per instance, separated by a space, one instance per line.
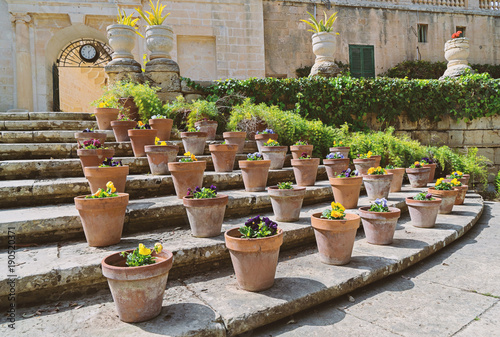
x=434 y=70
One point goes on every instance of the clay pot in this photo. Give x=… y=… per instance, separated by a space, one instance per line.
x=362 y=165
x=120 y=129
x=276 y=154
x=159 y=156
x=433 y=171
x=378 y=159
x=140 y=138
x=94 y=157
x=419 y=177
x=464 y=180
x=305 y=171
x=377 y=185
x=286 y=203
x=130 y=108
x=335 y=238
x=254 y=174
x=98 y=177
x=397 y=178
x=205 y=215
x=260 y=139
x=462 y=191
x=254 y=260
x=163 y=126
x=335 y=166
x=210 y=127
x=297 y=150
x=84 y=136
x=223 y=156
x=447 y=197
x=187 y=175
x=423 y=213
x=346 y=190
x=235 y=138
x=342 y=149
x=194 y=142
x=379 y=227
x=102 y=218
x=159 y=40
x=137 y=291
x=104 y=117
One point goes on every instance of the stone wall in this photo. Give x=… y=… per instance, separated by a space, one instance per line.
x=7 y=88
x=78 y=87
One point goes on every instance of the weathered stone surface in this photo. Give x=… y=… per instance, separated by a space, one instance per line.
x=168 y=96
x=491 y=137
x=77 y=116
x=167 y=81
x=192 y=97
x=46 y=136
x=473 y=137
x=325 y=69
x=14 y=116
x=456 y=138
x=47 y=125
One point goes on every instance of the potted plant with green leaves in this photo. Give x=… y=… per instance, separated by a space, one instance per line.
x=338 y=147
x=121 y=36
x=254 y=171
x=346 y=187
x=102 y=215
x=163 y=125
x=223 y=156
x=106 y=109
x=377 y=183
x=159 y=37
x=92 y=153
x=429 y=162
x=460 y=176
x=205 y=209
x=305 y=170
x=263 y=136
x=300 y=147
x=159 y=155
x=273 y=151
x=194 y=141
x=397 y=174
x=140 y=101
x=335 y=163
x=286 y=201
x=462 y=190
x=254 y=250
x=89 y=134
x=109 y=170
x=423 y=209
x=335 y=232
x=137 y=279
x=363 y=162
x=445 y=191
x=140 y=136
x=121 y=126
x=235 y=138
x=203 y=116
x=379 y=222
x=187 y=173
x=418 y=174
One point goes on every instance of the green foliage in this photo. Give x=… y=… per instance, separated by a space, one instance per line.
x=123 y=19
x=433 y=70
x=285 y=185
x=321 y=26
x=155 y=17
x=306 y=70
x=200 y=110
x=422 y=196
x=497 y=182
x=470 y=163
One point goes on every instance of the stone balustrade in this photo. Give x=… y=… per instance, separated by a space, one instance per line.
x=449 y=3
x=491 y=5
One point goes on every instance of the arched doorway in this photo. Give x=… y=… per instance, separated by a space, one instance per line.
x=78 y=75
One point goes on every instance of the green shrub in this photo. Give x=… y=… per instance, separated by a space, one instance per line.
x=433 y=70
x=497 y=183
x=306 y=70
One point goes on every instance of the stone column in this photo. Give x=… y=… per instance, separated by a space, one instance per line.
x=164 y=73
x=24 y=74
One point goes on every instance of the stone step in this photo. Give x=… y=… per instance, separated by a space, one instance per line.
x=30 y=192
x=211 y=304
x=40 y=125
x=62 y=222
x=46 y=136
x=51 y=116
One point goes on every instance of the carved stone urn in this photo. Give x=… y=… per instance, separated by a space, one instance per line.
x=323 y=47
x=159 y=40
x=456 y=52
x=122 y=40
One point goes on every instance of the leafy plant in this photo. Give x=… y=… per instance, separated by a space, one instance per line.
x=142 y=126
x=424 y=197
x=288 y=185
x=441 y=184
x=92 y=144
x=142 y=256
x=305 y=155
x=271 y=142
x=337 y=212
x=203 y=193
x=380 y=205
x=108 y=192
x=188 y=158
x=109 y=162
x=336 y=155
x=123 y=19
x=348 y=173
x=158 y=142
x=301 y=142
x=255 y=156
x=497 y=182
x=321 y=26
x=376 y=171
x=200 y=110
x=258 y=228
x=155 y=17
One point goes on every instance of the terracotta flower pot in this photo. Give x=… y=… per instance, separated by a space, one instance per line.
x=141 y=138
x=377 y=185
x=286 y=203
x=205 y=215
x=260 y=139
x=297 y=150
x=159 y=156
x=254 y=260
x=342 y=149
x=377 y=158
x=84 y=136
x=447 y=197
x=94 y=157
x=335 y=166
x=102 y=219
x=131 y=109
x=120 y=129
x=423 y=213
x=433 y=171
x=397 y=178
x=235 y=138
x=362 y=165
x=254 y=174
x=464 y=180
x=163 y=126
x=194 y=142
x=419 y=177
x=187 y=175
x=137 y=291
x=104 y=117
x=276 y=154
x=98 y=177
x=462 y=191
x=346 y=190
x=379 y=227
x=210 y=127
x=223 y=156
x=305 y=171
x=335 y=238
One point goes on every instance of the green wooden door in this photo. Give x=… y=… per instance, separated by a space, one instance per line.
x=362 y=60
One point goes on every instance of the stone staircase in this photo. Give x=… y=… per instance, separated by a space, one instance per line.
x=59 y=284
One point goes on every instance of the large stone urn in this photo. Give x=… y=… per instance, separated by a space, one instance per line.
x=159 y=40
x=122 y=40
x=456 y=52
x=324 y=47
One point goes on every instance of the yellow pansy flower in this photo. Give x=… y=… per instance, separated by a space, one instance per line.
x=140 y=123
x=193 y=157
x=371 y=170
x=269 y=141
x=102 y=105
x=369 y=154
x=158 y=247
x=336 y=214
x=157 y=140
x=111 y=186
x=143 y=250
x=96 y=194
x=455 y=182
x=439 y=181
x=187 y=154
x=416 y=163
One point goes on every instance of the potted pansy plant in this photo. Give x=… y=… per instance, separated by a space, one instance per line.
x=159 y=155
x=305 y=170
x=109 y=170
x=137 y=279
x=418 y=174
x=235 y=138
x=255 y=171
x=140 y=136
x=262 y=136
x=194 y=141
x=187 y=173
x=379 y=222
x=89 y=134
x=377 y=183
x=446 y=192
x=338 y=146
x=121 y=126
x=460 y=176
x=163 y=125
x=346 y=187
x=273 y=151
x=254 y=249
x=335 y=162
x=462 y=190
x=223 y=156
x=300 y=147
x=92 y=153
x=335 y=232
x=106 y=109
x=286 y=201
x=397 y=174
x=423 y=209
x=431 y=163
x=363 y=162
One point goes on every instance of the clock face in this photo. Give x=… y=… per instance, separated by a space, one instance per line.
x=88 y=53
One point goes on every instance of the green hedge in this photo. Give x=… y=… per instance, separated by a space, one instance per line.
x=434 y=70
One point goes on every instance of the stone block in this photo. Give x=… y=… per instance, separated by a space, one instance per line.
x=167 y=81
x=491 y=137
x=193 y=97
x=169 y=96
x=443 y=124
x=496 y=158
x=495 y=121
x=480 y=124
x=424 y=137
x=405 y=123
x=426 y=124
x=458 y=125
x=455 y=138
x=473 y=137
x=439 y=138
x=487 y=152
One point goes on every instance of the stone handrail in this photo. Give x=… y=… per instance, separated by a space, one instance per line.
x=492 y=5
x=449 y=3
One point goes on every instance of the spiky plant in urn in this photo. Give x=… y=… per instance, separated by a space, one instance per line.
x=323 y=41
x=456 y=52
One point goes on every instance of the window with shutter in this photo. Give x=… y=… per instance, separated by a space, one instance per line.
x=362 y=60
